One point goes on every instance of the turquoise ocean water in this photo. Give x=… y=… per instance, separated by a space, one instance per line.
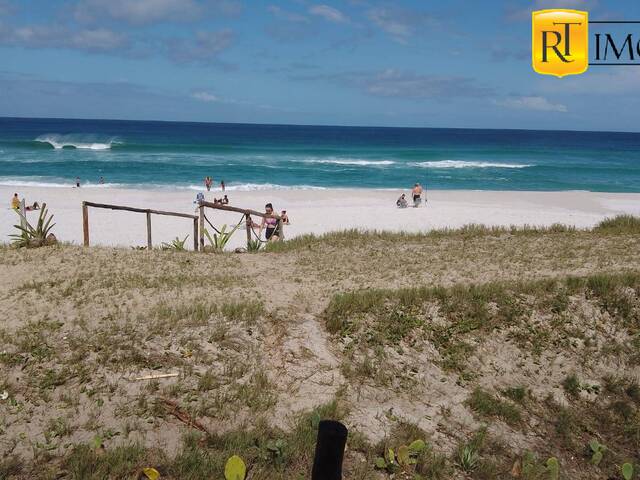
x=179 y=155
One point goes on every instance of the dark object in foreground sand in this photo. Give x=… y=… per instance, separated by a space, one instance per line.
x=327 y=463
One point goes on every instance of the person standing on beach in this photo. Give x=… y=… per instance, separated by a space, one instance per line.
x=101 y=181
x=208 y=181
x=417 y=194
x=77 y=182
x=15 y=202
x=222 y=185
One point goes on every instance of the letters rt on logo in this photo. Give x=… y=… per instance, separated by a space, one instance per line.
x=560 y=43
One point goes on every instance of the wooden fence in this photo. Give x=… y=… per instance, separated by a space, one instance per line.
x=147 y=211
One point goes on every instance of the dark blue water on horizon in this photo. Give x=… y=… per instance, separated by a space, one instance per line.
x=141 y=154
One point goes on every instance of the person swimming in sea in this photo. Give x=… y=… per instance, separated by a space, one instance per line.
x=270 y=224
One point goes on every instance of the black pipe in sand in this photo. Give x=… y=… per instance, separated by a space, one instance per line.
x=332 y=438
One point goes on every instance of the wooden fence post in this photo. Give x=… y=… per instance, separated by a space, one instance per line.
x=202 y=227
x=249 y=226
x=195 y=234
x=149 y=245
x=85 y=223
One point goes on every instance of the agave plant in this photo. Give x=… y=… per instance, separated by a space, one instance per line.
x=37 y=236
x=175 y=244
x=220 y=239
x=254 y=245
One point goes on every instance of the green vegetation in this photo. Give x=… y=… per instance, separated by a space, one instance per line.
x=621 y=224
x=38 y=236
x=627 y=224
x=487 y=405
x=176 y=244
x=452 y=318
x=220 y=240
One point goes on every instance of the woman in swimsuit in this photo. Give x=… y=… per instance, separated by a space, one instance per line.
x=271 y=225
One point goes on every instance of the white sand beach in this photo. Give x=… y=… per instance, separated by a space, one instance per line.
x=310 y=211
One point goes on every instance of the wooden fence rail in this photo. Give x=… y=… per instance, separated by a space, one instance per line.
x=147 y=211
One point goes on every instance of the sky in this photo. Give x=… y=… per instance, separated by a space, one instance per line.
x=354 y=62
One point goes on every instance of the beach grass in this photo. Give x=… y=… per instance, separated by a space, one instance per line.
x=497 y=349
x=621 y=224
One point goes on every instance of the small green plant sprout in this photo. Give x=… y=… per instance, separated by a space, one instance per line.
x=627 y=471
x=254 y=245
x=235 y=469
x=553 y=468
x=276 y=450
x=468 y=458
x=404 y=458
x=38 y=236
x=597 y=450
x=175 y=244
x=220 y=239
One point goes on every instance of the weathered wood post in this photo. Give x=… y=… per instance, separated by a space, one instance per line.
x=195 y=234
x=85 y=223
x=249 y=227
x=149 y=245
x=202 y=228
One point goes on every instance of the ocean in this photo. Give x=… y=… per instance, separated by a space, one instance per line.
x=53 y=152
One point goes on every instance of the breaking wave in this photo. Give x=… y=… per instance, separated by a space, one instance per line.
x=352 y=161
x=81 y=142
x=466 y=164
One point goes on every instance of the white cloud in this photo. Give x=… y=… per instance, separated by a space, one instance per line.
x=206 y=47
x=151 y=11
x=401 y=24
x=537 y=103
x=615 y=81
x=328 y=13
x=6 y=8
x=43 y=36
x=286 y=15
x=205 y=97
x=520 y=14
x=405 y=84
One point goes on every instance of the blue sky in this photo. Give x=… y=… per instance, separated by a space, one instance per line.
x=356 y=62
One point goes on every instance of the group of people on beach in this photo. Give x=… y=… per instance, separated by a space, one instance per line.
x=15 y=204
x=416 y=194
x=208 y=183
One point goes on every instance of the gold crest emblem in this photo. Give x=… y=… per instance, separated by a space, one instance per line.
x=560 y=42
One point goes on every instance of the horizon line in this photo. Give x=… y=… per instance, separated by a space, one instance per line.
x=321 y=125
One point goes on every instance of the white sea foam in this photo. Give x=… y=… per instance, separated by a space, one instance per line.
x=248 y=187
x=82 y=142
x=466 y=164
x=54 y=183
x=352 y=161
